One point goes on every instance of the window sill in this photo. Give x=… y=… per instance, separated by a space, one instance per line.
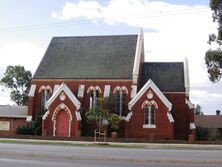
x=149 y=126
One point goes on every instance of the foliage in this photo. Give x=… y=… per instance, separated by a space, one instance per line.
x=213 y=58
x=17 y=80
x=218 y=112
x=114 y=121
x=98 y=115
x=101 y=116
x=33 y=128
x=202 y=134
x=198 y=110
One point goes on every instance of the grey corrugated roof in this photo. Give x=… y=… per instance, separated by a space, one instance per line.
x=90 y=57
x=13 y=111
x=169 y=77
x=208 y=121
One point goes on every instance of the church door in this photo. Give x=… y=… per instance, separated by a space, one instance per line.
x=62 y=124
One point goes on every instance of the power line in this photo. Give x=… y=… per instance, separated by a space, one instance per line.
x=102 y=19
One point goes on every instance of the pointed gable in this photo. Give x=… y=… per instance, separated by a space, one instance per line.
x=150 y=84
x=64 y=88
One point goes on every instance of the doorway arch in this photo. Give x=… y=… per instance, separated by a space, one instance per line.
x=62 y=120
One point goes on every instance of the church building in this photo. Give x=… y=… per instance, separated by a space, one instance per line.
x=152 y=97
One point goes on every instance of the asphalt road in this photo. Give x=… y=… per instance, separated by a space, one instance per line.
x=27 y=155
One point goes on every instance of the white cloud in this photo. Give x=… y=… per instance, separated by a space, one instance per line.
x=87 y=9
x=54 y=15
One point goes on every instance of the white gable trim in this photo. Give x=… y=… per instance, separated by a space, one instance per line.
x=32 y=91
x=170 y=117
x=55 y=88
x=150 y=84
x=68 y=92
x=139 y=47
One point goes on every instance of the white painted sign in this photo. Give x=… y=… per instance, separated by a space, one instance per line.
x=4 y=125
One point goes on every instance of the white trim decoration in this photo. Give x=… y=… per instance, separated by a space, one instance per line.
x=151 y=126
x=149 y=103
x=170 y=117
x=32 y=91
x=56 y=87
x=64 y=88
x=54 y=116
x=128 y=117
x=28 y=118
x=62 y=106
x=190 y=105
x=94 y=89
x=192 y=126
x=152 y=85
x=45 y=115
x=186 y=77
x=133 y=91
x=81 y=91
x=122 y=89
x=106 y=91
x=45 y=89
x=139 y=47
x=78 y=116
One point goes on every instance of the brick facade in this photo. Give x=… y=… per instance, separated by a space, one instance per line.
x=117 y=61
x=13 y=124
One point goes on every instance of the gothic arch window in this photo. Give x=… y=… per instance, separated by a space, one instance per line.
x=149 y=109
x=45 y=94
x=121 y=93
x=94 y=94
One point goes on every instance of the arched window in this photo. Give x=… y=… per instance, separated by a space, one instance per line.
x=121 y=93
x=45 y=94
x=94 y=94
x=149 y=115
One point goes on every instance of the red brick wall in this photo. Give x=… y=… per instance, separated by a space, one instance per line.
x=163 y=130
x=182 y=115
x=85 y=101
x=14 y=123
x=48 y=123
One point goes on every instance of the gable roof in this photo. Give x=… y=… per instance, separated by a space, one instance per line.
x=89 y=57
x=68 y=92
x=208 y=121
x=150 y=84
x=168 y=76
x=13 y=111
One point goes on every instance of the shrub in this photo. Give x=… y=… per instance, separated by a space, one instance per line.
x=202 y=134
x=33 y=128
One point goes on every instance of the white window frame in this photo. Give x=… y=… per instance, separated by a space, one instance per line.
x=149 y=125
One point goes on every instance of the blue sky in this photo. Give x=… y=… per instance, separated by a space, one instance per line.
x=173 y=29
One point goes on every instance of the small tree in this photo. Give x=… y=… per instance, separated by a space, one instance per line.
x=17 y=80
x=198 y=110
x=213 y=58
x=101 y=116
x=114 y=121
x=98 y=115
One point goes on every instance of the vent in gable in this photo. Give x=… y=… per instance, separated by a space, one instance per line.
x=81 y=90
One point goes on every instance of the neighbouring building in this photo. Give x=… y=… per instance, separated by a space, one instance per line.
x=11 y=117
x=213 y=123
x=152 y=98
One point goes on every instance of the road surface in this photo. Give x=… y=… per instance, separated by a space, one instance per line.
x=27 y=155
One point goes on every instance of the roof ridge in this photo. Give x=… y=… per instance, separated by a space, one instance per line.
x=95 y=36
